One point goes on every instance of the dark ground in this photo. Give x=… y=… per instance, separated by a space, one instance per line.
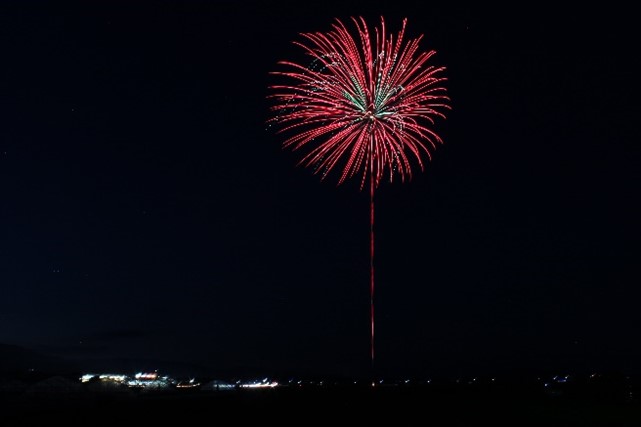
x=430 y=405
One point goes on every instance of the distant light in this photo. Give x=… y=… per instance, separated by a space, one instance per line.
x=86 y=377
x=146 y=376
x=191 y=384
x=113 y=377
x=260 y=385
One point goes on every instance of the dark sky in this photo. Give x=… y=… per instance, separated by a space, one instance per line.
x=146 y=211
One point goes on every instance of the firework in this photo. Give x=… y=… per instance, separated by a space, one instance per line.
x=364 y=105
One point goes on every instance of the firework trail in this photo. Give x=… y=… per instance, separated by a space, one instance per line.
x=364 y=106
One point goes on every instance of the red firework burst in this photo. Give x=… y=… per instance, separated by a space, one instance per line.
x=365 y=105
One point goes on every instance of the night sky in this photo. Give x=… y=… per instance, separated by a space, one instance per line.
x=146 y=210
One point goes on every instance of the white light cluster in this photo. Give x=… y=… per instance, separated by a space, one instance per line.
x=260 y=385
x=86 y=378
x=113 y=377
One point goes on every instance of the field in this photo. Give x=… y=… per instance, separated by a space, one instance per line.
x=438 y=405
